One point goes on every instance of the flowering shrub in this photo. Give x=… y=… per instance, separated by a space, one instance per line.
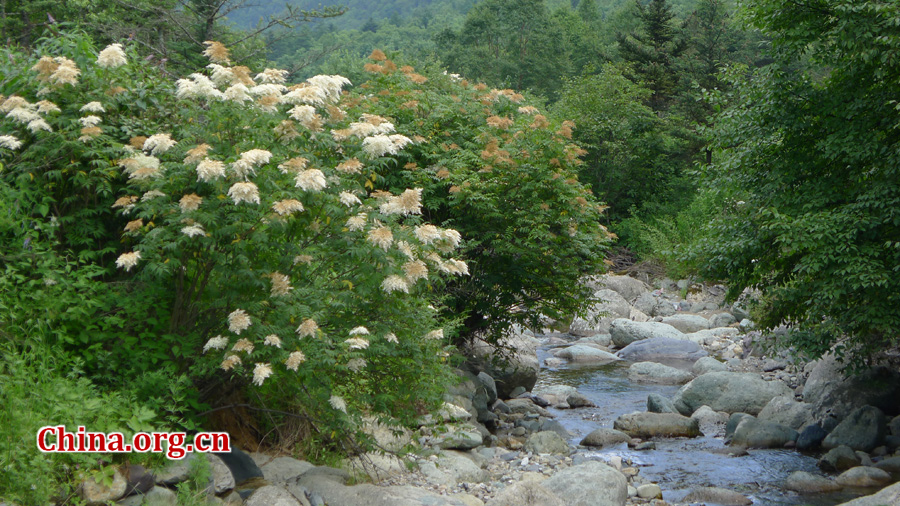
x=505 y=176
x=250 y=204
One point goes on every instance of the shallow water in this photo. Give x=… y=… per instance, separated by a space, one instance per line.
x=677 y=465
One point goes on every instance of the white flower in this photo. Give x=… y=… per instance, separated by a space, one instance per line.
x=391 y=338
x=158 y=144
x=357 y=222
x=238 y=321
x=415 y=270
x=294 y=359
x=128 y=260
x=230 y=362
x=244 y=192
x=427 y=233
x=92 y=107
x=435 y=334
x=261 y=372
x=312 y=180
x=356 y=364
x=238 y=93
x=273 y=76
x=287 y=207
x=243 y=345
x=451 y=236
x=90 y=121
x=39 y=124
x=209 y=170
x=10 y=142
x=308 y=328
x=22 y=115
x=338 y=403
x=111 y=57
x=268 y=89
x=249 y=160
x=452 y=266
x=378 y=145
x=303 y=113
x=193 y=230
x=281 y=284
x=273 y=340
x=381 y=237
x=190 y=202
x=359 y=331
x=216 y=343
x=349 y=199
x=400 y=141
x=394 y=284
x=363 y=129
x=357 y=343
x=152 y=194
x=46 y=107
x=198 y=86
x=312 y=95
x=330 y=85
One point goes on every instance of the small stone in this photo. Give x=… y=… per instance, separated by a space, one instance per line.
x=648 y=445
x=649 y=491
x=864 y=477
x=94 y=492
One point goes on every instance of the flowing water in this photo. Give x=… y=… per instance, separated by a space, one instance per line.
x=678 y=465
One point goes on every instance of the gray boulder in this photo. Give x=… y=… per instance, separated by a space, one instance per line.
x=704 y=365
x=460 y=438
x=157 y=496
x=530 y=492
x=562 y=396
x=657 y=403
x=716 y=495
x=687 y=323
x=625 y=332
x=649 y=425
x=711 y=422
x=513 y=363
x=832 y=393
x=271 y=495
x=584 y=354
x=728 y=391
x=755 y=433
x=864 y=477
x=589 y=484
x=603 y=340
x=98 y=492
x=652 y=372
x=889 y=496
x=547 y=442
x=839 y=459
x=663 y=350
x=653 y=306
x=629 y=288
x=605 y=437
x=598 y=317
x=733 y=421
x=786 y=411
x=280 y=469
x=808 y=483
x=722 y=320
x=891 y=465
x=894 y=426
x=332 y=492
x=811 y=437
x=490 y=387
x=708 y=337
x=864 y=429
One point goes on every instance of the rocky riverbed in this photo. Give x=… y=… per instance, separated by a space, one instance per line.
x=662 y=395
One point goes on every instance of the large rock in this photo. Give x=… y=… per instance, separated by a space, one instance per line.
x=98 y=492
x=889 y=496
x=711 y=422
x=281 y=469
x=547 y=442
x=657 y=403
x=223 y=480
x=704 y=365
x=589 y=484
x=629 y=288
x=722 y=320
x=728 y=391
x=687 y=323
x=864 y=429
x=811 y=437
x=755 y=433
x=460 y=438
x=894 y=426
x=831 y=393
x=808 y=483
x=271 y=495
x=864 y=477
x=605 y=437
x=839 y=459
x=584 y=354
x=157 y=496
x=513 y=363
x=786 y=411
x=708 y=337
x=333 y=492
x=652 y=372
x=563 y=396
x=716 y=495
x=600 y=315
x=649 y=425
x=625 y=332
x=732 y=424
x=663 y=350
x=530 y=492
x=891 y=465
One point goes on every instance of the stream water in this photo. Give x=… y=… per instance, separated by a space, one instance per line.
x=678 y=465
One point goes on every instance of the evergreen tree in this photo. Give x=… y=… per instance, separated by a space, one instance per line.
x=653 y=50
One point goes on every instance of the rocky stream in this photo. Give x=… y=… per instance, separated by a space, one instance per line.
x=663 y=396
